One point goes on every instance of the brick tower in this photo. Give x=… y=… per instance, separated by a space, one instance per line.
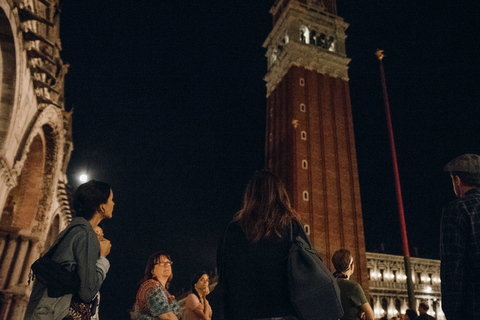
x=309 y=134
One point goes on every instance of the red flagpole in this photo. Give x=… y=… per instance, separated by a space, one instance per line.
x=398 y=189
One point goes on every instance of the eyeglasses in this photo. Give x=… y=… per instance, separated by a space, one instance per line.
x=163 y=264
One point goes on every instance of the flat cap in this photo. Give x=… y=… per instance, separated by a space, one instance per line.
x=467 y=163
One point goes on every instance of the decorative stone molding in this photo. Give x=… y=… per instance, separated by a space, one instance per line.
x=311 y=58
x=7 y=174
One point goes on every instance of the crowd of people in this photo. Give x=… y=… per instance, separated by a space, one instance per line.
x=251 y=259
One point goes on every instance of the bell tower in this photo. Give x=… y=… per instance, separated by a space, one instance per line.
x=310 y=140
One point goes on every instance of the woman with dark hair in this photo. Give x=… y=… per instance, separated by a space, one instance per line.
x=196 y=303
x=252 y=258
x=80 y=251
x=153 y=299
x=353 y=298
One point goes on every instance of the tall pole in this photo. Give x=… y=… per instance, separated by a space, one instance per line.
x=398 y=189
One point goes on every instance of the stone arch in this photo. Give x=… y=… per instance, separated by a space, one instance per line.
x=22 y=201
x=8 y=64
x=28 y=202
x=304 y=34
x=50 y=124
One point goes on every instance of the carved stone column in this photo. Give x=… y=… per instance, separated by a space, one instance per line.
x=30 y=258
x=18 y=307
x=19 y=263
x=8 y=260
x=5 y=304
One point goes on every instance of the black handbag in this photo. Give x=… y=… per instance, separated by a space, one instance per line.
x=314 y=292
x=58 y=280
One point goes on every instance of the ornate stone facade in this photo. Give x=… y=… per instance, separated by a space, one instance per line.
x=388 y=287
x=35 y=143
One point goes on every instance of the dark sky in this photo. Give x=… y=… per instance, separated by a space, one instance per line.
x=169 y=108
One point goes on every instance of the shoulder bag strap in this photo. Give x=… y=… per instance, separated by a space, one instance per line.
x=51 y=251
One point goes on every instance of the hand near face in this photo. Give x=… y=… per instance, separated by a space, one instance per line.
x=105 y=247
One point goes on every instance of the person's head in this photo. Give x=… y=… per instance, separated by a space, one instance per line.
x=423 y=308
x=465 y=173
x=159 y=267
x=410 y=314
x=266 y=207
x=200 y=281
x=342 y=261
x=92 y=197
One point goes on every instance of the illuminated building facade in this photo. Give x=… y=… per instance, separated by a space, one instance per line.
x=310 y=140
x=35 y=144
x=388 y=286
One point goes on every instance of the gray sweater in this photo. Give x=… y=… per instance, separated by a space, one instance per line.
x=80 y=251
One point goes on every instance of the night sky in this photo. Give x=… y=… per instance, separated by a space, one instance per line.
x=169 y=108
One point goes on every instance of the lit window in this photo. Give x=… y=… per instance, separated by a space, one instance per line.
x=305 y=195
x=303 y=107
x=304 y=135
x=304 y=35
x=307 y=229
x=302 y=82
x=304 y=164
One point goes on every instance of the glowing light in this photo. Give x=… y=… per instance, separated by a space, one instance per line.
x=428 y=289
x=83 y=177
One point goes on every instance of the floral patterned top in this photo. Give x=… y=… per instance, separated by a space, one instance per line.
x=154 y=300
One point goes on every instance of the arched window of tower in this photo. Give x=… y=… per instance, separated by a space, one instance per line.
x=305 y=195
x=331 y=44
x=313 y=36
x=302 y=82
x=304 y=135
x=304 y=35
x=304 y=164
x=306 y=228
x=303 y=107
x=322 y=40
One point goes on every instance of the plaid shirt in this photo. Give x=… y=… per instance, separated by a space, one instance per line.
x=460 y=255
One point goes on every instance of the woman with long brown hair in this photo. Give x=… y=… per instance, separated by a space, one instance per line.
x=252 y=257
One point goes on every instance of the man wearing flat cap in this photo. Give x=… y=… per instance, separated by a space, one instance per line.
x=460 y=241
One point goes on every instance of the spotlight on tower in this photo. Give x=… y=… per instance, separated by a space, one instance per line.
x=83 y=178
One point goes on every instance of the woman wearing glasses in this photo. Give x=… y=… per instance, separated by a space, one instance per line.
x=354 y=302
x=153 y=300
